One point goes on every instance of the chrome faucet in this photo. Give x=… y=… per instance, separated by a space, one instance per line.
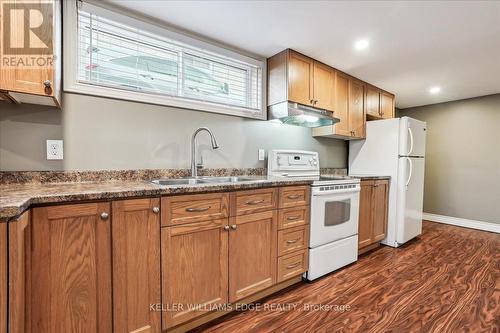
x=194 y=166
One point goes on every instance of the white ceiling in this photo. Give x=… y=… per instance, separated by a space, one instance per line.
x=413 y=44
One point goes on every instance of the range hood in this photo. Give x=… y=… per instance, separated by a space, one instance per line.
x=301 y=115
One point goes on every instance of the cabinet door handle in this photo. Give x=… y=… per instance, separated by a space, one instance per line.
x=293 y=218
x=104 y=216
x=197 y=210
x=226 y=227
x=293 y=265
x=234 y=226
x=291 y=241
x=254 y=202
x=156 y=210
x=293 y=196
x=48 y=87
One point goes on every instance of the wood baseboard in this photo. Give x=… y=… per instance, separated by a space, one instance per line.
x=368 y=248
x=472 y=224
x=250 y=299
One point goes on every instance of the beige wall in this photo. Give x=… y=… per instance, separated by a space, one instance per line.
x=462 y=172
x=101 y=133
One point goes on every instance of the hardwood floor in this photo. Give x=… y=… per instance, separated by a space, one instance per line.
x=448 y=280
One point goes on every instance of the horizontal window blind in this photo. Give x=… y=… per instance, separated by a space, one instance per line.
x=121 y=56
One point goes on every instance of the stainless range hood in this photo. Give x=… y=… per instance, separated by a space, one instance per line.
x=300 y=115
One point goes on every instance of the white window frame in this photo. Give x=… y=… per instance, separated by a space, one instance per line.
x=70 y=63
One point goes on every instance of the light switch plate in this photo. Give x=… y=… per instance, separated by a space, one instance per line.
x=262 y=154
x=55 y=149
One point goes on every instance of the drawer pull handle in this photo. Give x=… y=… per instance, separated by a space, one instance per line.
x=291 y=241
x=293 y=265
x=197 y=210
x=156 y=210
x=254 y=202
x=293 y=218
x=293 y=196
x=104 y=216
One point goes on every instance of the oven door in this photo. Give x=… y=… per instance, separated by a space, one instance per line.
x=334 y=215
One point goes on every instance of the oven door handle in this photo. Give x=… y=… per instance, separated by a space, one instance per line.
x=323 y=193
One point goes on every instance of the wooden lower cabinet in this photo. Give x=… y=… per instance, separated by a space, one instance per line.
x=3 y=277
x=194 y=269
x=252 y=253
x=136 y=265
x=71 y=269
x=19 y=273
x=372 y=213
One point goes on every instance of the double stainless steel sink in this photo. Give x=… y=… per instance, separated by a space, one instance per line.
x=206 y=180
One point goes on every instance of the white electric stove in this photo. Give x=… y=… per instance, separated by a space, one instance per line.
x=334 y=210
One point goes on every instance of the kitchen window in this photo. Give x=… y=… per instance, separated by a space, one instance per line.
x=114 y=55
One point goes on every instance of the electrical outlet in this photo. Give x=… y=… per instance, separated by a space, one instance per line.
x=55 y=149
x=262 y=154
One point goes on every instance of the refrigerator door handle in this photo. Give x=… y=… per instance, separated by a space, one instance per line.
x=411 y=141
x=410 y=173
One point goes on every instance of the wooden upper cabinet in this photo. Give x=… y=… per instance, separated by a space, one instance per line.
x=136 y=265
x=357 y=119
x=194 y=269
x=39 y=82
x=252 y=253
x=297 y=78
x=386 y=105
x=323 y=86
x=300 y=78
x=342 y=104
x=71 y=269
x=373 y=102
x=3 y=277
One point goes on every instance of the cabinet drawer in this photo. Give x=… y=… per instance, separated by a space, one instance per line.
x=193 y=208
x=292 y=264
x=245 y=202
x=294 y=196
x=292 y=239
x=293 y=217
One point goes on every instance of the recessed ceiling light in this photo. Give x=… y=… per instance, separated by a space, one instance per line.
x=361 y=44
x=434 y=90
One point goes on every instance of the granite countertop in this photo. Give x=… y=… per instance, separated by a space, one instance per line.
x=16 y=198
x=371 y=177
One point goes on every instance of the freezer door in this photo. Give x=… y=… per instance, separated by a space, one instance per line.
x=410 y=198
x=412 y=137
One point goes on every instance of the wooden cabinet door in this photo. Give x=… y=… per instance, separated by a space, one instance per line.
x=373 y=102
x=300 y=78
x=194 y=269
x=342 y=104
x=357 y=119
x=71 y=268
x=19 y=273
x=3 y=277
x=30 y=79
x=252 y=253
x=386 y=105
x=323 y=86
x=136 y=265
x=365 y=214
x=380 y=200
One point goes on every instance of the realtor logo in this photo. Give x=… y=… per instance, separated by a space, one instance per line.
x=27 y=34
x=27 y=28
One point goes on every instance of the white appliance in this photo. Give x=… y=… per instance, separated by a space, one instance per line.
x=396 y=148
x=334 y=210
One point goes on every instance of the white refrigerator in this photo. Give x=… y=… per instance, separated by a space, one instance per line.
x=395 y=148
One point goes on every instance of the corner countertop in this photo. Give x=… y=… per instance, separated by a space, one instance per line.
x=17 y=198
